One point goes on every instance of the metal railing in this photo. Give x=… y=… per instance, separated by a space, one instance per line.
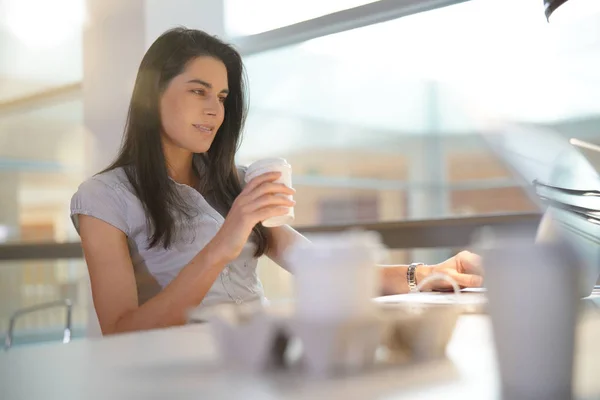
x=451 y=232
x=432 y=233
x=66 y=303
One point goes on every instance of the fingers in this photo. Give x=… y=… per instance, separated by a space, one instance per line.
x=269 y=188
x=469 y=263
x=261 y=199
x=268 y=212
x=265 y=184
x=259 y=180
x=467 y=280
x=269 y=200
x=465 y=268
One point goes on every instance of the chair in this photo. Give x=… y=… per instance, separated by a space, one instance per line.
x=92 y=329
x=8 y=340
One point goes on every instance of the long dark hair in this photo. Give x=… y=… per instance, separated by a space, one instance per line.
x=141 y=153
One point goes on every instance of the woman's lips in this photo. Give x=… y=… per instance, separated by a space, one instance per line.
x=204 y=128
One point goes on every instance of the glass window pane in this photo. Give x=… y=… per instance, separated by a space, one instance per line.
x=267 y=15
x=42 y=138
x=394 y=107
x=42 y=155
x=41 y=49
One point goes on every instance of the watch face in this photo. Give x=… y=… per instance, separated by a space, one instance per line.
x=410 y=277
x=411 y=274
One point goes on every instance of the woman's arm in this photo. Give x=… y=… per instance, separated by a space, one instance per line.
x=393 y=277
x=464 y=268
x=281 y=238
x=114 y=288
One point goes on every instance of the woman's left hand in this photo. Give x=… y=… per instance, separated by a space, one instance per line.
x=465 y=268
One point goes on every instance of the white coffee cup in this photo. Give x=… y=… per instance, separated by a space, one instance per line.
x=271 y=165
x=335 y=275
x=533 y=305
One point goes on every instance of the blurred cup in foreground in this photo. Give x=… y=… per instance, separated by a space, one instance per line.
x=533 y=305
x=335 y=275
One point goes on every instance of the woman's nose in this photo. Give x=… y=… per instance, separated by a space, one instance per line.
x=211 y=106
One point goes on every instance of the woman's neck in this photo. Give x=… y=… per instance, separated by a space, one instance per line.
x=180 y=166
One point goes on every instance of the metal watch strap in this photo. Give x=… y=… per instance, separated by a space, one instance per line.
x=411 y=277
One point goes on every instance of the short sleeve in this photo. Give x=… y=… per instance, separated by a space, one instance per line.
x=99 y=200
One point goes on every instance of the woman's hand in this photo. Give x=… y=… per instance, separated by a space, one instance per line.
x=465 y=268
x=259 y=200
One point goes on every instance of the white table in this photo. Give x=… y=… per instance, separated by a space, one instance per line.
x=181 y=363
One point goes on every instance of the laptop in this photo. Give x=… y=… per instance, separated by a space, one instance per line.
x=590 y=151
x=562 y=179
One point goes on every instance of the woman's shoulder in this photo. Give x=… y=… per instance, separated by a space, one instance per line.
x=107 y=181
x=103 y=196
x=111 y=178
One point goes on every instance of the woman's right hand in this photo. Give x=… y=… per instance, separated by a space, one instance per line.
x=259 y=200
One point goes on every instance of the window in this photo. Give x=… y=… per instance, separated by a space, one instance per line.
x=360 y=209
x=392 y=108
x=42 y=157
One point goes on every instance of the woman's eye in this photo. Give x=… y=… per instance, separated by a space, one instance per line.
x=199 y=92
x=222 y=99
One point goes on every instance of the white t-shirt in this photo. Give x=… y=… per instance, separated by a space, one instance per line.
x=110 y=197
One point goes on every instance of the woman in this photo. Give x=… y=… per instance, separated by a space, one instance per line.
x=167 y=226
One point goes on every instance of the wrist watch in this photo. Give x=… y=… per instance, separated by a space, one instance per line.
x=411 y=277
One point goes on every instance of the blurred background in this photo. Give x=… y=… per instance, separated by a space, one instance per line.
x=378 y=121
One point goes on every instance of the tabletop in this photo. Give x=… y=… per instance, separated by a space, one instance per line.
x=182 y=363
